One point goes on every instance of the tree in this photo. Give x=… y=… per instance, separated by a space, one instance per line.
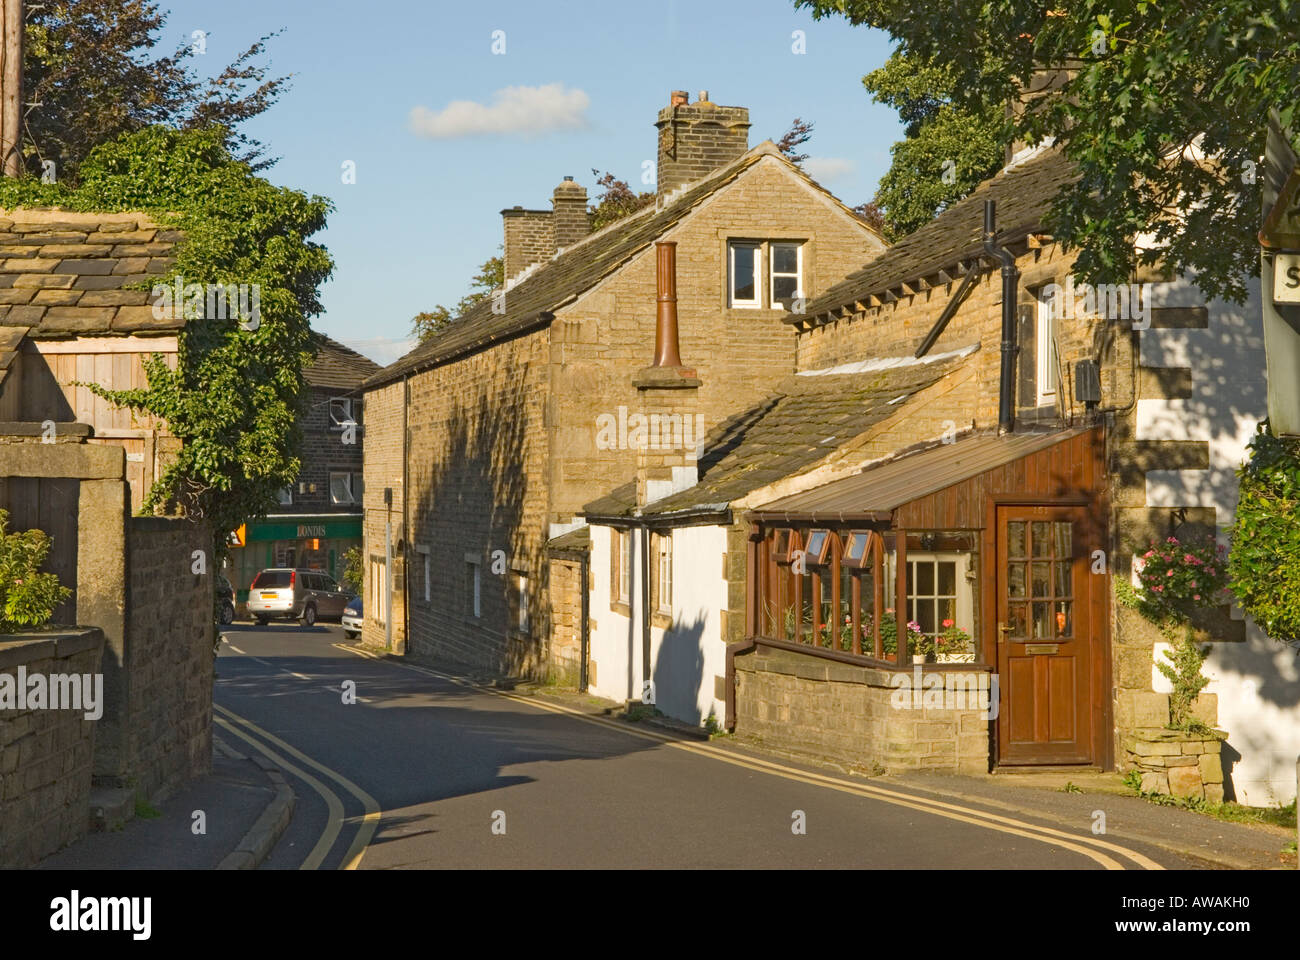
x=1162 y=108
x=800 y=132
x=89 y=68
x=236 y=397
x=946 y=151
x=490 y=278
x=616 y=200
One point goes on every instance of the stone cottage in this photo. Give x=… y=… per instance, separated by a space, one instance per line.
x=484 y=442
x=979 y=530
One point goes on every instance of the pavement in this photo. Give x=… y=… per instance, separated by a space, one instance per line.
x=241 y=808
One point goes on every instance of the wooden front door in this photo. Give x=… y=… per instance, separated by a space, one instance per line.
x=1050 y=637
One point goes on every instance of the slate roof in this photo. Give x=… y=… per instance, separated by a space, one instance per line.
x=531 y=302
x=337 y=366
x=571 y=544
x=804 y=421
x=64 y=274
x=1024 y=194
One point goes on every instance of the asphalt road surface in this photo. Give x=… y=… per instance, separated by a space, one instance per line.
x=395 y=765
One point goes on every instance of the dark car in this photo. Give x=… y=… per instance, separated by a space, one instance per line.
x=225 y=600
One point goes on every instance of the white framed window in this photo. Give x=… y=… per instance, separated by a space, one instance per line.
x=786 y=272
x=1045 y=348
x=286 y=496
x=341 y=488
x=939 y=590
x=426 y=569
x=343 y=410
x=473 y=586
x=664 y=558
x=376 y=604
x=744 y=273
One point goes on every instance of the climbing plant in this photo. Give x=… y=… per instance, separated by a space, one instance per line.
x=235 y=397
x=1264 y=564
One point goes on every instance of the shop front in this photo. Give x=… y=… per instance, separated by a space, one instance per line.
x=316 y=542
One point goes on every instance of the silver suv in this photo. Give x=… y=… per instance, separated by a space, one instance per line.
x=281 y=593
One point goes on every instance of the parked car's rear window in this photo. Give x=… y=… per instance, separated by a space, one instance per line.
x=272 y=578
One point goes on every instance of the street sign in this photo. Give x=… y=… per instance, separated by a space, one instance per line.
x=1286 y=278
x=236 y=538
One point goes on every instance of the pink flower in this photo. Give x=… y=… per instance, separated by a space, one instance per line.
x=1169 y=573
x=1147 y=554
x=1196 y=596
x=1158 y=589
x=948 y=623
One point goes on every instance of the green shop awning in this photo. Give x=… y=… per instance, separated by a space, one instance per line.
x=306 y=528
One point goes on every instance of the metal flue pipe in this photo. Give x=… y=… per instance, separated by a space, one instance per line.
x=1010 y=281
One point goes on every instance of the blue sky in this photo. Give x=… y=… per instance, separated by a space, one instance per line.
x=424 y=210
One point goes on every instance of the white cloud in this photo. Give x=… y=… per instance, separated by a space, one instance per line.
x=824 y=169
x=514 y=110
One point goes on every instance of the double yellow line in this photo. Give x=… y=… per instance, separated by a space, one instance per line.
x=1087 y=846
x=238 y=726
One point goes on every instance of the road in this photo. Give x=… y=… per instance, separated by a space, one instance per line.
x=399 y=766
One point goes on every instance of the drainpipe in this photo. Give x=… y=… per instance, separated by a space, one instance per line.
x=645 y=610
x=1010 y=280
x=584 y=648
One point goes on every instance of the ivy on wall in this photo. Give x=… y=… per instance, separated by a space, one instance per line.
x=1264 y=564
x=235 y=397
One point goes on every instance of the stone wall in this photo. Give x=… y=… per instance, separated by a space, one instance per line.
x=1183 y=765
x=45 y=755
x=384 y=470
x=323 y=453
x=169 y=660
x=858 y=717
x=564 y=657
x=477 y=455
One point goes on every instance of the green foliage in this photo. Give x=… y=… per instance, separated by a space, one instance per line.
x=1264 y=564
x=1143 y=94
x=353 y=569
x=616 y=200
x=27 y=597
x=1183 y=671
x=490 y=278
x=234 y=399
x=947 y=150
x=89 y=76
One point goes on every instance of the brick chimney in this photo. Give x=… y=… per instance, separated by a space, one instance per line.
x=530 y=239
x=572 y=223
x=697 y=138
x=667 y=398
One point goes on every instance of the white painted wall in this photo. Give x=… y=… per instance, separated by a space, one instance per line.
x=1256 y=681
x=684 y=658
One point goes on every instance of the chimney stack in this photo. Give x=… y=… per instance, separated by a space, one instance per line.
x=697 y=138
x=667 y=398
x=572 y=222
x=529 y=239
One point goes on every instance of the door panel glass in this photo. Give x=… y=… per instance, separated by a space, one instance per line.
x=1016 y=579
x=1016 y=538
x=1039 y=543
x=1042 y=584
